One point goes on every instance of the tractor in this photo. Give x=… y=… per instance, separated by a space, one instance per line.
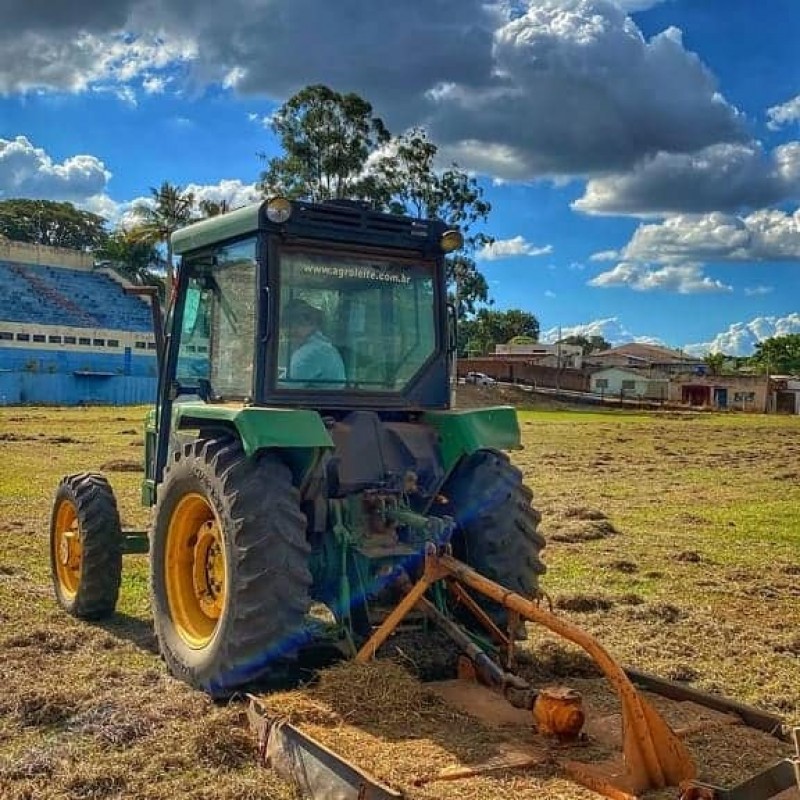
x=305 y=449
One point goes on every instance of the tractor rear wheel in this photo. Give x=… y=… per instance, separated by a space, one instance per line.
x=497 y=526
x=86 y=546
x=229 y=565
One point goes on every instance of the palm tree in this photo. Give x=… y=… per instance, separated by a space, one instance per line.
x=168 y=209
x=133 y=259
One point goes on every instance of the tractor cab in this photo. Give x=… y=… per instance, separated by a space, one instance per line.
x=318 y=306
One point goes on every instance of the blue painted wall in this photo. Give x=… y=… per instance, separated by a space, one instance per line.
x=49 y=377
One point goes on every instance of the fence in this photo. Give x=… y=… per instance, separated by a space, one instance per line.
x=515 y=370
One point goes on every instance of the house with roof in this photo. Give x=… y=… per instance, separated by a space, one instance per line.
x=647 y=357
x=69 y=333
x=622 y=382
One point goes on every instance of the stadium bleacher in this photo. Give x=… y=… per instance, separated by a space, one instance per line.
x=69 y=334
x=62 y=296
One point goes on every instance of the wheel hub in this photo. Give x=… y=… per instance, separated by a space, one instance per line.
x=68 y=553
x=195 y=570
x=67 y=550
x=209 y=570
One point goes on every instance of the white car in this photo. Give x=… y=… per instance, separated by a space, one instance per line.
x=480 y=379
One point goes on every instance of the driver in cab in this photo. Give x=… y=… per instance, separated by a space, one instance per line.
x=314 y=361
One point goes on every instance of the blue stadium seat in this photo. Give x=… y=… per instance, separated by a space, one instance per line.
x=70 y=297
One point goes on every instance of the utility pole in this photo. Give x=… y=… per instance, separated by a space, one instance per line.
x=558 y=361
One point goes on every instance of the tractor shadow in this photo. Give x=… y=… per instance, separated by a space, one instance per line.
x=139 y=632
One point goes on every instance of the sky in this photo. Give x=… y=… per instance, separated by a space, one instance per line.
x=642 y=157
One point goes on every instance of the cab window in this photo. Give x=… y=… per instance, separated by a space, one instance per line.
x=354 y=323
x=217 y=337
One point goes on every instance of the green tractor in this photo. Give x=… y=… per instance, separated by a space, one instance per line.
x=303 y=448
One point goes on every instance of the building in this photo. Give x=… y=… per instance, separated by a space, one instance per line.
x=69 y=334
x=738 y=392
x=787 y=394
x=619 y=382
x=636 y=355
x=549 y=355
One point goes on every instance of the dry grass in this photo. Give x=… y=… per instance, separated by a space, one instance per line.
x=692 y=575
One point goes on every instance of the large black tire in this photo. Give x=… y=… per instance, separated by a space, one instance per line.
x=497 y=527
x=85 y=507
x=263 y=530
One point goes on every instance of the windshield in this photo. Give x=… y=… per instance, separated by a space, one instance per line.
x=354 y=323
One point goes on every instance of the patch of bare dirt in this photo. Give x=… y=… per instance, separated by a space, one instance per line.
x=573 y=531
x=46 y=640
x=39 y=709
x=691 y=557
x=623 y=566
x=584 y=603
x=122 y=465
x=659 y=612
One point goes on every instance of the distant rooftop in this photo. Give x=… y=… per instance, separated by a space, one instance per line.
x=646 y=353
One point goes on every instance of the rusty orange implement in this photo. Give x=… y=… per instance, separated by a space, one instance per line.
x=653 y=755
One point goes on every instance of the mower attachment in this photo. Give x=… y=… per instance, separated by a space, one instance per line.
x=653 y=756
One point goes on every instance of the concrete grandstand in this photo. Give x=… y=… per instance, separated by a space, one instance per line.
x=69 y=334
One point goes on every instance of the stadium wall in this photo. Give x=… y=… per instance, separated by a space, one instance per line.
x=50 y=352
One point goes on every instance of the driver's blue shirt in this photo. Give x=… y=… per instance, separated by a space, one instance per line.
x=316 y=364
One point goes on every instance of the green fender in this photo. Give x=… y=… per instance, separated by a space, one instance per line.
x=462 y=432
x=259 y=428
x=299 y=434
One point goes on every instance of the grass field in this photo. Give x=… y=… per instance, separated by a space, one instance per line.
x=675 y=538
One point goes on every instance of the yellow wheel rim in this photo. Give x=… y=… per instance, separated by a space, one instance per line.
x=67 y=549
x=196 y=575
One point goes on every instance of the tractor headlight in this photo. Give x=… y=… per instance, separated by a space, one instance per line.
x=451 y=240
x=279 y=209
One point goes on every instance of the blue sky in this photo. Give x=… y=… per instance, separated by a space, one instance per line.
x=642 y=157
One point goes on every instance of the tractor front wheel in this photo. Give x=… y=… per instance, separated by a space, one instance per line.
x=86 y=546
x=229 y=565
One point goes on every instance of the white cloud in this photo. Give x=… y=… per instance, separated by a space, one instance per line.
x=28 y=171
x=235 y=192
x=741 y=338
x=610 y=328
x=33 y=61
x=577 y=89
x=510 y=248
x=721 y=177
x=518 y=90
x=684 y=279
x=784 y=114
x=757 y=291
x=605 y=255
x=766 y=235
x=154 y=84
x=549 y=293
x=668 y=255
